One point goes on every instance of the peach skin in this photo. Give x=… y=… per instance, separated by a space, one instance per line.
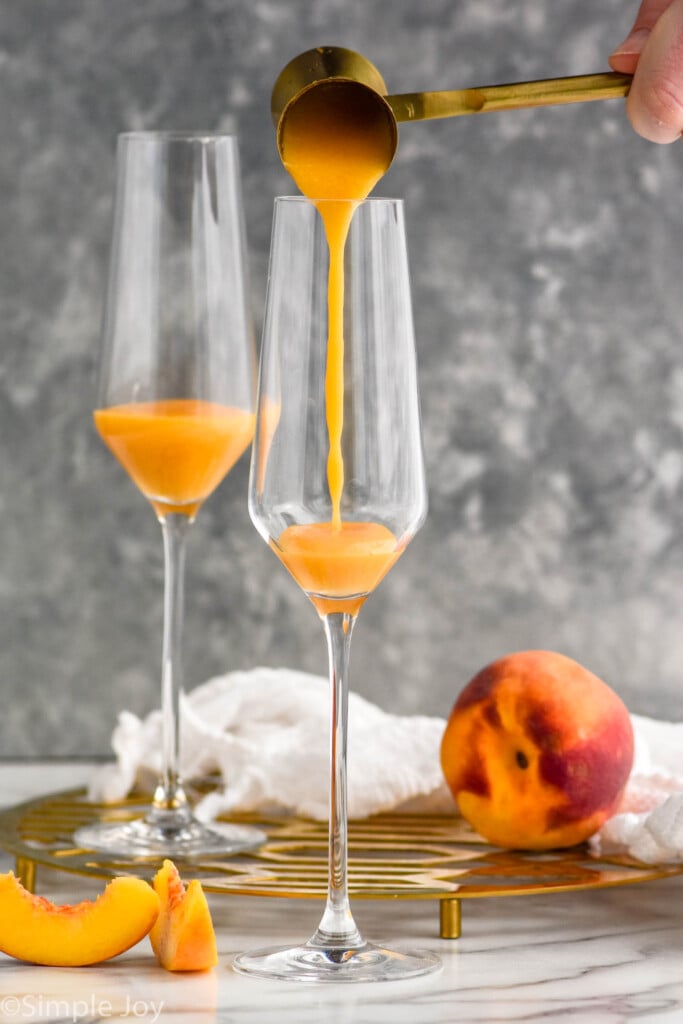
x=537 y=751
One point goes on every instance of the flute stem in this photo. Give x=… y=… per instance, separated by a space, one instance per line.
x=170 y=801
x=337 y=927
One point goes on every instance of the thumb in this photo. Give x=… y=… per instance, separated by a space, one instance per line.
x=655 y=101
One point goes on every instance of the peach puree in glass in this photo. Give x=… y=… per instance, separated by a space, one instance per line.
x=178 y=450
x=337 y=566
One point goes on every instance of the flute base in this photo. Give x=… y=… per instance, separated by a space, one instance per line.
x=312 y=963
x=156 y=836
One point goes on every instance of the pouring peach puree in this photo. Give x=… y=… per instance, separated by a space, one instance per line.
x=336 y=147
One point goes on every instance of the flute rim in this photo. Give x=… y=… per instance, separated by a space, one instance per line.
x=174 y=135
x=386 y=200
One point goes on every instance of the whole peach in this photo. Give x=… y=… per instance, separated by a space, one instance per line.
x=537 y=751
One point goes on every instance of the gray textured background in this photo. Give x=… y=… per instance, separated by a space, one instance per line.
x=545 y=252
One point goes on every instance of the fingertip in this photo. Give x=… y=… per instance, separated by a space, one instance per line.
x=631 y=48
x=654 y=132
x=624 y=63
x=646 y=124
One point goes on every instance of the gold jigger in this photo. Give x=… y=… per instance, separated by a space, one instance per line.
x=333 y=66
x=354 y=80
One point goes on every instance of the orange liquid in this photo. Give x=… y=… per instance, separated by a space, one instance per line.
x=333 y=152
x=337 y=566
x=334 y=145
x=335 y=148
x=177 y=451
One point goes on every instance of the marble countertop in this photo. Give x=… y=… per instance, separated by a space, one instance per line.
x=604 y=957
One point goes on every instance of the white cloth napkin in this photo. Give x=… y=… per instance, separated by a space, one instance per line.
x=266 y=733
x=649 y=822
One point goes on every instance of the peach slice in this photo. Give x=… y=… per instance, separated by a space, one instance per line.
x=183 y=938
x=33 y=928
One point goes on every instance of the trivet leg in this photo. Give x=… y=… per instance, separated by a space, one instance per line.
x=25 y=870
x=450 y=918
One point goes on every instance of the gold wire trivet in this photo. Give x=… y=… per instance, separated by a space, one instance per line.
x=391 y=856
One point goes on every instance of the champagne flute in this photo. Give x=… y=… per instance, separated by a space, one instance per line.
x=175 y=404
x=337 y=486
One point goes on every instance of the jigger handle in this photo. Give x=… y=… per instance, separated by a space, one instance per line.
x=423 y=106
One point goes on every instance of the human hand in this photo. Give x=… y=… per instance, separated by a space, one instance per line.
x=653 y=54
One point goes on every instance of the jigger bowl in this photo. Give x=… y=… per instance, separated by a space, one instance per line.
x=334 y=68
